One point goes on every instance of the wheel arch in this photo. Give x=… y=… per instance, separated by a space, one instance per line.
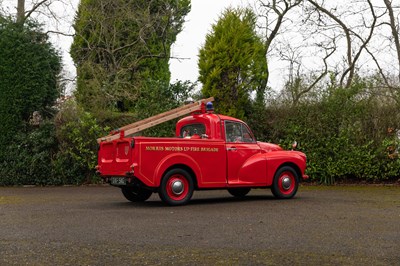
x=277 y=160
x=184 y=167
x=175 y=160
x=295 y=167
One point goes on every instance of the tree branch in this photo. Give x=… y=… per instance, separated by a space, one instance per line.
x=347 y=34
x=36 y=6
x=395 y=32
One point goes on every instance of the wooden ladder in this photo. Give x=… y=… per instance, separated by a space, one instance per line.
x=155 y=120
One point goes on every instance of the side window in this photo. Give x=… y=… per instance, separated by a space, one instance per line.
x=237 y=132
x=246 y=134
x=193 y=129
x=233 y=132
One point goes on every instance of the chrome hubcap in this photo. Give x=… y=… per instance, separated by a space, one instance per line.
x=177 y=187
x=286 y=183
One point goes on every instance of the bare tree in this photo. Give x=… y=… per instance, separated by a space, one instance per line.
x=355 y=43
x=42 y=7
x=274 y=14
x=299 y=80
x=340 y=37
x=395 y=31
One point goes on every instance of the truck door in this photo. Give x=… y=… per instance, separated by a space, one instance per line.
x=240 y=146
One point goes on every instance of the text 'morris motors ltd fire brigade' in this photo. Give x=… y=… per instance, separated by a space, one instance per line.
x=209 y=151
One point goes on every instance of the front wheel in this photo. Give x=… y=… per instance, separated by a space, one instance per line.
x=136 y=194
x=176 y=187
x=286 y=183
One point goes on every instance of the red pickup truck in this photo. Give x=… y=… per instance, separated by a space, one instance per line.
x=209 y=151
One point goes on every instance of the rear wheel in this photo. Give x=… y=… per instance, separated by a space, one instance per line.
x=136 y=194
x=176 y=187
x=286 y=183
x=239 y=192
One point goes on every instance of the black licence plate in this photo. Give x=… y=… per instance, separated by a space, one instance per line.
x=118 y=181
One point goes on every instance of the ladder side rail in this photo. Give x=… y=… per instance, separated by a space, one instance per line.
x=148 y=125
x=178 y=109
x=157 y=119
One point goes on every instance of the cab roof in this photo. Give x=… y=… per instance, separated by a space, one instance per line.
x=209 y=116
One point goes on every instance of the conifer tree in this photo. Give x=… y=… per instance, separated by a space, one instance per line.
x=29 y=76
x=232 y=64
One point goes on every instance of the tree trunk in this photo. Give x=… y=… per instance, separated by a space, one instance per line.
x=21 y=11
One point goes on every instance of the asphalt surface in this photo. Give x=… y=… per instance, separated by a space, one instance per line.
x=97 y=226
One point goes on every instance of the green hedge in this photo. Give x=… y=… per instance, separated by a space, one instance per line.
x=348 y=134
x=29 y=159
x=58 y=152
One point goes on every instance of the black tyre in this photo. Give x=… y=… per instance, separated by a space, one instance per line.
x=239 y=192
x=136 y=194
x=176 y=187
x=286 y=183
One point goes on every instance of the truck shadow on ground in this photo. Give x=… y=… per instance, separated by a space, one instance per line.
x=155 y=202
x=228 y=199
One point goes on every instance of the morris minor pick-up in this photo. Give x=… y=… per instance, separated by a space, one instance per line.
x=209 y=151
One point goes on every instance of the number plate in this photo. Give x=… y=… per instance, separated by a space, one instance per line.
x=118 y=181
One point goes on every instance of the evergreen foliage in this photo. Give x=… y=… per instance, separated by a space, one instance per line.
x=30 y=158
x=122 y=48
x=77 y=132
x=29 y=71
x=161 y=98
x=232 y=64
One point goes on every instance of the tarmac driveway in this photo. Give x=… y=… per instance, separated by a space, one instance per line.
x=345 y=225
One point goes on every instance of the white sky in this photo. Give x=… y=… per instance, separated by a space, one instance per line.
x=204 y=13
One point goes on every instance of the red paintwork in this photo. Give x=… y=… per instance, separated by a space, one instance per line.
x=213 y=161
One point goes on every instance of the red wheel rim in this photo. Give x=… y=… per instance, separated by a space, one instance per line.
x=286 y=183
x=177 y=187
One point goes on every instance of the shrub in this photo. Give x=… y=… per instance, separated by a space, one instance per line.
x=77 y=132
x=30 y=158
x=345 y=135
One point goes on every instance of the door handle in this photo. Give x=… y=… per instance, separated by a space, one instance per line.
x=231 y=149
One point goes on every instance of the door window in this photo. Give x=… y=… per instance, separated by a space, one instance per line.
x=237 y=132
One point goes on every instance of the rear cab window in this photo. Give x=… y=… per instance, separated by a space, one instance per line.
x=191 y=130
